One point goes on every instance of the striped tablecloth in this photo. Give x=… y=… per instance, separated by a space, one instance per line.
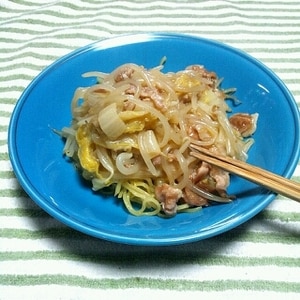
x=41 y=259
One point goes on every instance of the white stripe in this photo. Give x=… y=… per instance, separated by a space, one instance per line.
x=290 y=66
x=26 y=51
x=46 y=48
x=3 y=149
x=37 y=62
x=65 y=292
x=297 y=171
x=3 y=136
x=9 y=183
x=192 y=272
x=182 y=15
x=182 y=25
x=5 y=165
x=275 y=227
x=20 y=202
x=245 y=40
x=4 y=121
x=284 y=206
x=15 y=82
x=29 y=223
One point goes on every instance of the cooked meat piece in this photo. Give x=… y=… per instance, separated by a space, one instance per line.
x=168 y=196
x=211 y=178
x=210 y=76
x=156 y=160
x=131 y=90
x=221 y=178
x=124 y=73
x=153 y=95
x=128 y=105
x=201 y=173
x=244 y=123
x=193 y=199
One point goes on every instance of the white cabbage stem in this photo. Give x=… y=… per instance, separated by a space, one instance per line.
x=149 y=148
x=110 y=122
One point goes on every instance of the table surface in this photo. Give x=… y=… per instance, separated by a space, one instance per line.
x=259 y=258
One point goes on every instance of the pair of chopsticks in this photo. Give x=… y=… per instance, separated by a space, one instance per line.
x=269 y=180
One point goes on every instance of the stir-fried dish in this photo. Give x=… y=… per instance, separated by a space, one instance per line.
x=130 y=134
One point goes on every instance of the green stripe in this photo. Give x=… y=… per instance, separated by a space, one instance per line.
x=286 y=70
x=62 y=4
x=269 y=4
x=141 y=282
x=17 y=76
x=56 y=36
x=4 y=114
x=296 y=178
x=38 y=234
x=3 y=128
x=8 y=101
x=4 y=156
x=265 y=33
x=144 y=20
x=35 y=44
x=112 y=13
x=7 y=175
x=291 y=81
x=271 y=42
x=23 y=212
x=31 y=54
x=275 y=50
x=11 y=89
x=236 y=235
x=110 y=21
x=278 y=215
x=22 y=65
x=140 y=6
x=150 y=258
x=15 y=193
x=241 y=235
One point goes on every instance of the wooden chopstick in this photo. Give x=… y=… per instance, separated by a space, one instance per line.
x=269 y=180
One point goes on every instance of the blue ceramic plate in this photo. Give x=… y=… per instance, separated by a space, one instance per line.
x=51 y=181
